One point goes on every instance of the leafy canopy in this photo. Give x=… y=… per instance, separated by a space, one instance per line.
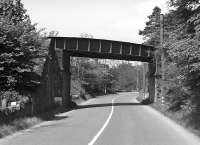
x=20 y=43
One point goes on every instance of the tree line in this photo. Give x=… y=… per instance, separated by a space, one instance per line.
x=182 y=55
x=97 y=77
x=21 y=44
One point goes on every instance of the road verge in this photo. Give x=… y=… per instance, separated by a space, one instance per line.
x=179 y=116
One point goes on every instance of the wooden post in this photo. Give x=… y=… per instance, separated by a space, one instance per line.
x=162 y=55
x=157 y=72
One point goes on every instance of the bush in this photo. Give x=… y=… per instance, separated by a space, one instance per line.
x=21 y=109
x=12 y=96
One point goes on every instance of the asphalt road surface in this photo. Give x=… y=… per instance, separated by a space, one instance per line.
x=108 y=120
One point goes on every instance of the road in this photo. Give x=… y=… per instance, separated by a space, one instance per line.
x=108 y=120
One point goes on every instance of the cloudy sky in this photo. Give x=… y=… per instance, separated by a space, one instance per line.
x=107 y=19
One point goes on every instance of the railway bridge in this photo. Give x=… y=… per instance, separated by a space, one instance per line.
x=64 y=47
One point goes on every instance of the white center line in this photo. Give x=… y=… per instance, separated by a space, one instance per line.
x=104 y=126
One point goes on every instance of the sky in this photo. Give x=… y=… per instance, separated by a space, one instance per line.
x=118 y=20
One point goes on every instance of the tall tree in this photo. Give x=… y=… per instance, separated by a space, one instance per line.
x=20 y=43
x=152 y=28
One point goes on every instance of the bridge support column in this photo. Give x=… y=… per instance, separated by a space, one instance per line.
x=151 y=82
x=66 y=80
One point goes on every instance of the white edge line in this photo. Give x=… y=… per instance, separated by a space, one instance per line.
x=104 y=126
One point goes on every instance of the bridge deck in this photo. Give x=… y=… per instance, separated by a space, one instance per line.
x=100 y=48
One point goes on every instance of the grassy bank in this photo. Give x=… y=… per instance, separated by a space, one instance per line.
x=18 y=124
x=27 y=122
x=180 y=117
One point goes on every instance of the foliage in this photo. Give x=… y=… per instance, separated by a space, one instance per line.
x=99 y=78
x=20 y=44
x=13 y=96
x=125 y=77
x=182 y=54
x=93 y=76
x=151 y=31
x=18 y=124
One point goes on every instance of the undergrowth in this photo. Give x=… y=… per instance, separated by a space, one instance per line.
x=181 y=117
x=18 y=124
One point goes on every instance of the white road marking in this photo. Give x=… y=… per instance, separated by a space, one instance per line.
x=104 y=126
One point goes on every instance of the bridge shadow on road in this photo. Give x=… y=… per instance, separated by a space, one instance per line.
x=107 y=105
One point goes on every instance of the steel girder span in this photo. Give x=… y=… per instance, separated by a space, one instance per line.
x=64 y=47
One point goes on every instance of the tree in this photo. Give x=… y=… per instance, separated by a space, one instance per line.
x=125 y=77
x=152 y=29
x=96 y=77
x=20 y=43
x=182 y=53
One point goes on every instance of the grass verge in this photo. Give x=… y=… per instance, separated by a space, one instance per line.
x=27 y=122
x=18 y=124
x=179 y=117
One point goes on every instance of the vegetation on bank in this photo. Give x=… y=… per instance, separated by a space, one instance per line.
x=182 y=59
x=22 y=49
x=18 y=124
x=181 y=117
